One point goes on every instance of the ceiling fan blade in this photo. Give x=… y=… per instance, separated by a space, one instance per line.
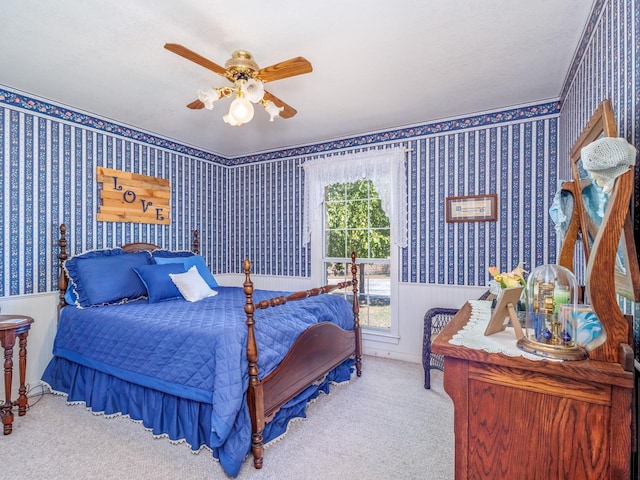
x=194 y=57
x=288 y=111
x=196 y=105
x=288 y=68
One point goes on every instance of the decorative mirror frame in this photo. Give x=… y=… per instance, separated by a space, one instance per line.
x=602 y=123
x=614 y=237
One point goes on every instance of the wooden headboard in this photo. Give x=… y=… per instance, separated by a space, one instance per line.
x=63 y=280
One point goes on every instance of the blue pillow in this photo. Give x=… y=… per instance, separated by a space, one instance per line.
x=105 y=277
x=70 y=295
x=190 y=261
x=171 y=253
x=158 y=282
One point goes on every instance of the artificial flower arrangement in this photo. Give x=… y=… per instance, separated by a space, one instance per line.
x=501 y=280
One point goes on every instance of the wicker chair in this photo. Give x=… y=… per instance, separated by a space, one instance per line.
x=435 y=320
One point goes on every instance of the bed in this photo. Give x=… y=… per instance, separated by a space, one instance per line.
x=227 y=371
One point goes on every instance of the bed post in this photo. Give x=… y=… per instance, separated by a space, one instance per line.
x=255 y=397
x=195 y=247
x=62 y=277
x=356 y=314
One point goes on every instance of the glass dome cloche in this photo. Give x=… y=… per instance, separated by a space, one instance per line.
x=551 y=297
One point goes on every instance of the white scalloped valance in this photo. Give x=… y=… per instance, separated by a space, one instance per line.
x=385 y=168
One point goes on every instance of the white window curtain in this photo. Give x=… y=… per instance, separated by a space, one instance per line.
x=385 y=168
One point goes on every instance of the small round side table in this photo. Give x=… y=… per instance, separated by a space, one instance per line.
x=12 y=327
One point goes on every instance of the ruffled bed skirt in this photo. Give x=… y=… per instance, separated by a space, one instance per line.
x=164 y=414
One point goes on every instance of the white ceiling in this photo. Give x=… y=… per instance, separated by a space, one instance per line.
x=377 y=65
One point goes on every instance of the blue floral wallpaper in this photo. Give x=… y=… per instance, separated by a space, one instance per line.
x=47 y=167
x=512 y=153
x=605 y=65
x=251 y=206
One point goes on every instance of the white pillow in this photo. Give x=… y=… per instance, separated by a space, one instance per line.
x=191 y=285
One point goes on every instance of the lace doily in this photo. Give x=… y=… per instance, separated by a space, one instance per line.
x=472 y=334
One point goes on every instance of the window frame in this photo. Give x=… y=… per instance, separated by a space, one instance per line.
x=317 y=258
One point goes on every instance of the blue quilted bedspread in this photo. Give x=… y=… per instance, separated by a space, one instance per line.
x=194 y=350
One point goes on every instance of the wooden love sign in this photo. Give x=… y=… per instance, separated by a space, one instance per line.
x=131 y=197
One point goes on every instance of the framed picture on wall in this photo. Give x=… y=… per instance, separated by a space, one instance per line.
x=472 y=208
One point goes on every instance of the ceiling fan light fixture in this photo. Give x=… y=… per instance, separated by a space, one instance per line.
x=230 y=120
x=241 y=61
x=253 y=90
x=247 y=80
x=208 y=97
x=240 y=111
x=272 y=109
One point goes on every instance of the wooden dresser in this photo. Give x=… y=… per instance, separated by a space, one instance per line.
x=523 y=419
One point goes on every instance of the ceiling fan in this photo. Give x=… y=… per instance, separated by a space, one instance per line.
x=248 y=84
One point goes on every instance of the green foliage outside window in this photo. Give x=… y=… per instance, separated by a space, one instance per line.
x=356 y=221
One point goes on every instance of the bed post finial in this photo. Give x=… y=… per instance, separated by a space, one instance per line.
x=255 y=397
x=196 y=242
x=62 y=277
x=356 y=313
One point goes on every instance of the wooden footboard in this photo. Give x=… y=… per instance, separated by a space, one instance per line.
x=317 y=351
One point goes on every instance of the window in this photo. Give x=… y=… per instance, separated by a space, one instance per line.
x=355 y=221
x=383 y=171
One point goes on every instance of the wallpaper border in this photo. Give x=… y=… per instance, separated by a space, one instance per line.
x=30 y=103
x=585 y=41
x=484 y=119
x=58 y=112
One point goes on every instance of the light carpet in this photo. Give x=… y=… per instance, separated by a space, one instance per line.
x=383 y=425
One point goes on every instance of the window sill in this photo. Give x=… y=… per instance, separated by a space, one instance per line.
x=381 y=337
